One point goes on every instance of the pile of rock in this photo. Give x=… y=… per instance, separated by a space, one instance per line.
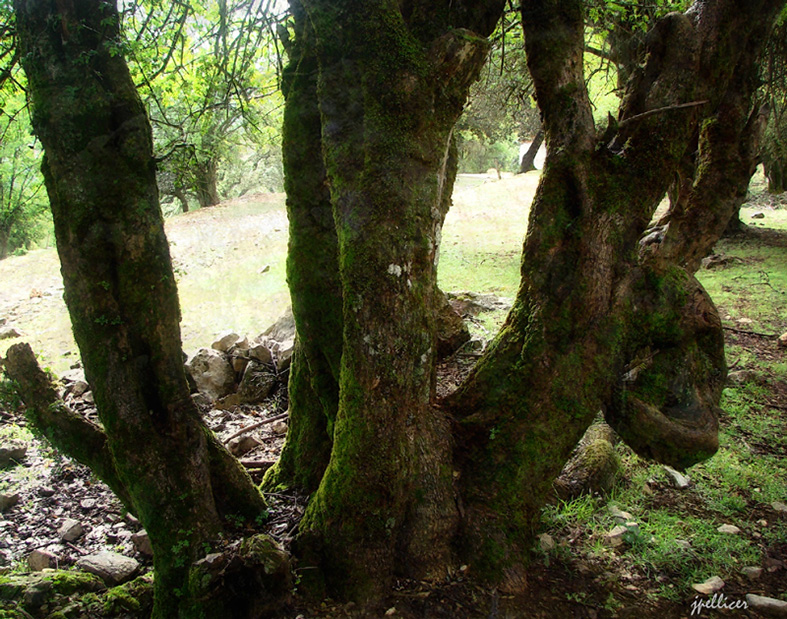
x=238 y=370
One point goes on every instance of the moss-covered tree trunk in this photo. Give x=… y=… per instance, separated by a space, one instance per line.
x=119 y=286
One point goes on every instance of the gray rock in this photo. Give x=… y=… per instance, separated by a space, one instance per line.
x=40 y=560
x=6 y=333
x=729 y=529
x=767 y=606
x=758 y=215
x=212 y=373
x=782 y=341
x=225 y=341
x=683 y=544
x=38 y=593
x=742 y=377
x=239 y=364
x=257 y=383
x=679 y=480
x=779 y=507
x=752 y=572
x=142 y=543
x=284 y=355
x=88 y=397
x=202 y=401
x=283 y=329
x=620 y=516
x=73 y=375
x=70 y=530
x=80 y=387
x=710 y=586
x=7 y=501
x=113 y=568
x=473 y=303
x=261 y=353
x=12 y=452
x=242 y=445
x=546 y=542
x=615 y=537
x=279 y=427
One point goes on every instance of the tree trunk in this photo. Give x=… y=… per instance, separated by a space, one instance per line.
x=528 y=161
x=119 y=286
x=206 y=178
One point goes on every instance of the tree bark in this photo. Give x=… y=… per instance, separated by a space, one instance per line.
x=119 y=286
x=206 y=178
x=528 y=160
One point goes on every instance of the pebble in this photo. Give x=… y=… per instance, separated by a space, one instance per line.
x=679 y=480
x=70 y=530
x=546 y=542
x=710 y=586
x=730 y=529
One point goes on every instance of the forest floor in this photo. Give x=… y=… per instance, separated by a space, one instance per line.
x=229 y=262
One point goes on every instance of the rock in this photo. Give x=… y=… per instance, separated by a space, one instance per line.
x=46 y=491
x=767 y=606
x=7 y=501
x=202 y=401
x=261 y=353
x=279 y=427
x=212 y=373
x=225 y=341
x=679 y=480
x=710 y=586
x=719 y=261
x=782 y=341
x=729 y=529
x=242 y=444
x=6 y=333
x=683 y=544
x=113 y=568
x=257 y=383
x=745 y=321
x=87 y=504
x=40 y=560
x=70 y=530
x=758 y=215
x=12 y=452
x=742 y=377
x=619 y=516
x=239 y=364
x=779 y=507
x=473 y=303
x=752 y=572
x=546 y=543
x=632 y=527
x=37 y=594
x=73 y=375
x=615 y=537
x=283 y=358
x=283 y=329
x=88 y=398
x=79 y=388
x=452 y=332
x=141 y=542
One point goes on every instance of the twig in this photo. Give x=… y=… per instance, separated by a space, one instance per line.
x=254 y=426
x=81 y=551
x=734 y=330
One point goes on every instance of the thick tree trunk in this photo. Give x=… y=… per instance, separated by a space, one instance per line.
x=206 y=178
x=119 y=286
x=528 y=160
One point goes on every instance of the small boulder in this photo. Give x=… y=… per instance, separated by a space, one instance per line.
x=257 y=383
x=40 y=560
x=70 y=530
x=679 y=480
x=225 y=341
x=782 y=341
x=7 y=501
x=283 y=329
x=779 y=507
x=12 y=452
x=710 y=586
x=620 y=516
x=7 y=333
x=113 y=568
x=770 y=607
x=242 y=445
x=142 y=543
x=683 y=544
x=752 y=572
x=729 y=529
x=79 y=388
x=758 y=215
x=212 y=373
x=38 y=593
x=279 y=427
x=261 y=353
x=615 y=537
x=284 y=354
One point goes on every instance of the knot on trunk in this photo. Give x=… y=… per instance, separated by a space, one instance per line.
x=665 y=404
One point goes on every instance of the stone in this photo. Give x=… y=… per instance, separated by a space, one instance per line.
x=7 y=333
x=87 y=504
x=741 y=377
x=202 y=401
x=284 y=355
x=546 y=542
x=279 y=427
x=473 y=303
x=780 y=507
x=256 y=384
x=242 y=445
x=283 y=329
x=80 y=387
x=70 y=530
x=758 y=215
x=40 y=560
x=683 y=544
x=7 y=501
x=767 y=606
x=615 y=537
x=88 y=398
x=261 y=353
x=142 y=543
x=212 y=373
x=12 y=452
x=752 y=572
x=225 y=341
x=38 y=593
x=710 y=586
x=113 y=568
x=782 y=341
x=239 y=364
x=73 y=375
x=452 y=332
x=679 y=480
x=729 y=529
x=620 y=516
x=632 y=527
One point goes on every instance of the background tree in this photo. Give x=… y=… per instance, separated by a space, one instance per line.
x=774 y=140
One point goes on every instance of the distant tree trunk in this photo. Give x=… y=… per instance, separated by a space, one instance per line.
x=119 y=286
x=206 y=178
x=180 y=194
x=774 y=172
x=528 y=160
